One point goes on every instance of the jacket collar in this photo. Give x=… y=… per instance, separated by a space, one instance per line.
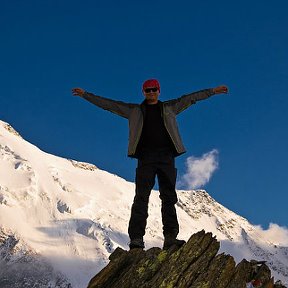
x=144 y=104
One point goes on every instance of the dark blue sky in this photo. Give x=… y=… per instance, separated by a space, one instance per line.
x=110 y=47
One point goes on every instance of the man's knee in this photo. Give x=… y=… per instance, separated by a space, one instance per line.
x=169 y=200
x=141 y=199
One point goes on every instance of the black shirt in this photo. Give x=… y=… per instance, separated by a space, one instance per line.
x=154 y=135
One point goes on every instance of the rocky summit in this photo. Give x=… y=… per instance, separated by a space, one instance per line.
x=196 y=264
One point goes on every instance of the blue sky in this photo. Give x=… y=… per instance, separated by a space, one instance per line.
x=110 y=47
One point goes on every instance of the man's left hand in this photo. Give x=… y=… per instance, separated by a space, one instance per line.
x=221 y=89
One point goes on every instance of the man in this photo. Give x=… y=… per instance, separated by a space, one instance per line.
x=155 y=141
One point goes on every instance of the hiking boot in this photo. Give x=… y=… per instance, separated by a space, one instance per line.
x=170 y=241
x=136 y=243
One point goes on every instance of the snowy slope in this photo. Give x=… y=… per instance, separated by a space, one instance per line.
x=70 y=216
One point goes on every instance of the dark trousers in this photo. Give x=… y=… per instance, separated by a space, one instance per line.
x=151 y=164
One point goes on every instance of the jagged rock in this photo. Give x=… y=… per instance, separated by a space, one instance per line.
x=83 y=165
x=194 y=265
x=11 y=130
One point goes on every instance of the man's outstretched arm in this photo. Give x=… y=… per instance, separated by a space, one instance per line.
x=185 y=101
x=117 y=107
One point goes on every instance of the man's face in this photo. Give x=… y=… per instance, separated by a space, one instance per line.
x=151 y=94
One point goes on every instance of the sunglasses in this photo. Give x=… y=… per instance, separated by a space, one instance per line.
x=148 y=90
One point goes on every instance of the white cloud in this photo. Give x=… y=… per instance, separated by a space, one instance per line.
x=275 y=234
x=199 y=170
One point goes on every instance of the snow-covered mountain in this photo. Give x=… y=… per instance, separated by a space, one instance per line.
x=60 y=219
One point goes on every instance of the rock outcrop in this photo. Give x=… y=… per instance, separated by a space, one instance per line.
x=194 y=265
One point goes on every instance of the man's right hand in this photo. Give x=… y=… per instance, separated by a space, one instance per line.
x=78 y=91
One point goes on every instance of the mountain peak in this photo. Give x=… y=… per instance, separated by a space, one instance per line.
x=9 y=128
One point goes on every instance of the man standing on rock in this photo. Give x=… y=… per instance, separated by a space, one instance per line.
x=155 y=141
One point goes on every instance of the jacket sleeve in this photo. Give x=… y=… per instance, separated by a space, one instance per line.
x=118 y=107
x=180 y=104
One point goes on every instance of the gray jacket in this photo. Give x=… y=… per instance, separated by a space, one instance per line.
x=135 y=115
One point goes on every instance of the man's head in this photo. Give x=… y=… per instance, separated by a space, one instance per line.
x=151 y=90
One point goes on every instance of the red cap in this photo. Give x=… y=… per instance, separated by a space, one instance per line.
x=151 y=83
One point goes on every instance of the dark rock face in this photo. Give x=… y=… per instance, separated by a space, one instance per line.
x=194 y=265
